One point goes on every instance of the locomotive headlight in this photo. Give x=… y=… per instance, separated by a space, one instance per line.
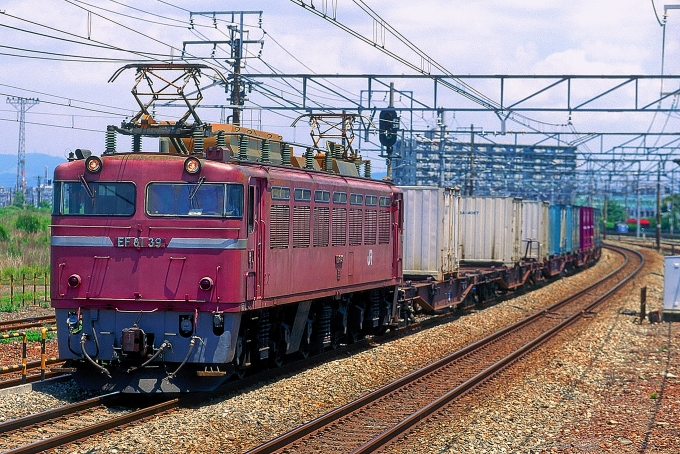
x=206 y=283
x=186 y=325
x=192 y=165
x=74 y=280
x=93 y=164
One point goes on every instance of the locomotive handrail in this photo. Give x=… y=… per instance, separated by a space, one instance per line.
x=191 y=228
x=136 y=311
x=92 y=226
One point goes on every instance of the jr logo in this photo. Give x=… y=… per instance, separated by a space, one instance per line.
x=369 y=259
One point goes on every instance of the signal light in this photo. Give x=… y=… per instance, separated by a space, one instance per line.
x=93 y=164
x=74 y=281
x=206 y=283
x=388 y=127
x=192 y=165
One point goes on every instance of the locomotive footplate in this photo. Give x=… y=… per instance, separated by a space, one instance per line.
x=154 y=379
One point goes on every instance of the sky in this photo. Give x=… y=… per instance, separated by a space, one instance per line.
x=62 y=53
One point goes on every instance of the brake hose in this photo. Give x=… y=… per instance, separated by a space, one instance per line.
x=163 y=346
x=102 y=369
x=192 y=344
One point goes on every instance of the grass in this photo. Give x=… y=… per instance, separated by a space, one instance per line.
x=31 y=336
x=24 y=251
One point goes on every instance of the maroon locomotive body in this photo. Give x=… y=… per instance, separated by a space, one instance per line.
x=173 y=271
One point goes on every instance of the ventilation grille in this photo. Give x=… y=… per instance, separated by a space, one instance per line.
x=371 y=227
x=321 y=227
x=384 y=227
x=301 y=222
x=279 y=232
x=355 y=221
x=339 y=226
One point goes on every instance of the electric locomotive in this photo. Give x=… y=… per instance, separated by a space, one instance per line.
x=174 y=269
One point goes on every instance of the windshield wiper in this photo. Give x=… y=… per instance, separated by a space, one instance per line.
x=86 y=186
x=194 y=190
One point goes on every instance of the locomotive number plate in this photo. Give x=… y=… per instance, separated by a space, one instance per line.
x=139 y=242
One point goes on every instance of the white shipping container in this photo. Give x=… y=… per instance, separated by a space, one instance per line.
x=430 y=231
x=490 y=230
x=535 y=229
x=671 y=283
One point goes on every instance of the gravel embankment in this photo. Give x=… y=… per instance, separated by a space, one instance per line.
x=589 y=391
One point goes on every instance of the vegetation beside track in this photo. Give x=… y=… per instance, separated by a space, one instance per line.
x=24 y=256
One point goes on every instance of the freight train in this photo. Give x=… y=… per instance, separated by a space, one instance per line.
x=173 y=270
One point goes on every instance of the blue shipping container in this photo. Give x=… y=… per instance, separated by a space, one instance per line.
x=555 y=230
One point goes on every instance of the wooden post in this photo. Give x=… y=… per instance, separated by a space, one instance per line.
x=643 y=303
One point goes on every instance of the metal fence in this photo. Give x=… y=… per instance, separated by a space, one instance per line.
x=25 y=289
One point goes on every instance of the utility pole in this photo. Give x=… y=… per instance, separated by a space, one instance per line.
x=38 y=191
x=472 y=160
x=236 y=42
x=22 y=105
x=442 y=133
x=658 y=208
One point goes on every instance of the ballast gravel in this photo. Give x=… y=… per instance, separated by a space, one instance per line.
x=607 y=385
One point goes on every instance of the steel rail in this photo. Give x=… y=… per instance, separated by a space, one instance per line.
x=29 y=365
x=20 y=324
x=11 y=383
x=445 y=399
x=93 y=429
x=327 y=419
x=14 y=424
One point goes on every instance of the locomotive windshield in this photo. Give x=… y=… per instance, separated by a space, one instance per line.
x=197 y=199
x=93 y=198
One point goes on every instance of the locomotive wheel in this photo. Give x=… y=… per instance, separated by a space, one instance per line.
x=353 y=335
x=336 y=340
x=240 y=358
x=280 y=353
x=304 y=348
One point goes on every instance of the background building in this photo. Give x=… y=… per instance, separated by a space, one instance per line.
x=532 y=172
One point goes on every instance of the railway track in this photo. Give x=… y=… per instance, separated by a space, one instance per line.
x=9 y=382
x=63 y=425
x=81 y=420
x=26 y=323
x=383 y=415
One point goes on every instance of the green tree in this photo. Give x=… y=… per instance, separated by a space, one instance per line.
x=615 y=212
x=19 y=199
x=29 y=223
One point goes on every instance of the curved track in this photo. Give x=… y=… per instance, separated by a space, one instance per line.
x=70 y=423
x=379 y=417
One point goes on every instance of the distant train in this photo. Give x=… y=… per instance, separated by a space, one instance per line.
x=175 y=269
